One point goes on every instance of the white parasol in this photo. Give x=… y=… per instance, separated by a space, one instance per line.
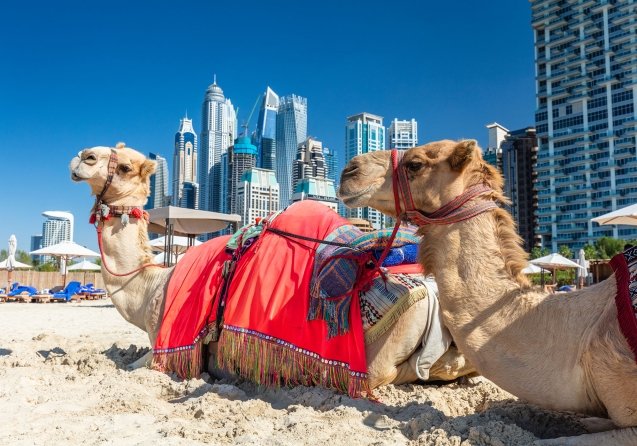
x=554 y=262
x=624 y=216
x=65 y=251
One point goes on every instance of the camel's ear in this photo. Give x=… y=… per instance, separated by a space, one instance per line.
x=462 y=154
x=148 y=168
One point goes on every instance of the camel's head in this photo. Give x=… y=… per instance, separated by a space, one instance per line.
x=437 y=173
x=131 y=178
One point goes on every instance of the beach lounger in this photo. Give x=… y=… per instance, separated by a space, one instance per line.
x=70 y=292
x=21 y=293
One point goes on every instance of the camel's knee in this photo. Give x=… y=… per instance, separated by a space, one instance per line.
x=451 y=365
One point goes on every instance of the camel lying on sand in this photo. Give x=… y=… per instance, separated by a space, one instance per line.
x=139 y=297
x=559 y=351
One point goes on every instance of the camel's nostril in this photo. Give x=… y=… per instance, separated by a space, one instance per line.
x=350 y=169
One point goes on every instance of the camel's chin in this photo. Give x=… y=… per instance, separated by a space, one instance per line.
x=355 y=202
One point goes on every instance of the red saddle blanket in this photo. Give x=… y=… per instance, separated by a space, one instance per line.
x=625 y=267
x=266 y=336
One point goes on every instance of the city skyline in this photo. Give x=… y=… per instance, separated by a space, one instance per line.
x=112 y=77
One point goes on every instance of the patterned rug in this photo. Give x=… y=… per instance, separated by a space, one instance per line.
x=625 y=267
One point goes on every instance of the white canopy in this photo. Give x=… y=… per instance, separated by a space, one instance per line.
x=161 y=257
x=179 y=243
x=623 y=216
x=16 y=265
x=84 y=265
x=66 y=250
x=555 y=261
x=533 y=269
x=187 y=221
x=583 y=263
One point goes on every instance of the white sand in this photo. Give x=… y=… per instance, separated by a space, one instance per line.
x=63 y=381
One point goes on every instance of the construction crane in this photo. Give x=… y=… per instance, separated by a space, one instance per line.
x=246 y=123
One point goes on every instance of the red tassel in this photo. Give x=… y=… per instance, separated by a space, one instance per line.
x=92 y=219
x=136 y=212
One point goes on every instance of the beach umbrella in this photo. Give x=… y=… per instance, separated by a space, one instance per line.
x=582 y=272
x=623 y=216
x=172 y=221
x=179 y=244
x=554 y=262
x=65 y=251
x=85 y=266
x=10 y=263
x=161 y=258
x=16 y=265
x=533 y=269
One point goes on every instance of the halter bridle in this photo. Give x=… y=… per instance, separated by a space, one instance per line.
x=453 y=212
x=102 y=212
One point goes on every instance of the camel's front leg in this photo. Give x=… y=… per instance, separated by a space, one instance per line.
x=144 y=361
x=617 y=437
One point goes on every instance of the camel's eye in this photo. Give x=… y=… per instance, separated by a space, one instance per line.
x=124 y=168
x=414 y=166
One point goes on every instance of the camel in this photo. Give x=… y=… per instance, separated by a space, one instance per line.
x=559 y=351
x=139 y=297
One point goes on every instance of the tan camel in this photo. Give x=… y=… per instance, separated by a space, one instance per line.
x=140 y=297
x=559 y=351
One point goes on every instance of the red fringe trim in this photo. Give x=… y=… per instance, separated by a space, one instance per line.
x=625 y=312
x=270 y=364
x=186 y=362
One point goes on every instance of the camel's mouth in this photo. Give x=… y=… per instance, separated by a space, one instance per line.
x=354 y=200
x=75 y=177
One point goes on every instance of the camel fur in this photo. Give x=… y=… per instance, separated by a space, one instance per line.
x=559 y=351
x=139 y=298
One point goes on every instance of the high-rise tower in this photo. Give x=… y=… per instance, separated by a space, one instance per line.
x=291 y=129
x=218 y=131
x=265 y=135
x=57 y=228
x=364 y=133
x=402 y=135
x=586 y=84
x=242 y=156
x=185 y=165
x=309 y=162
x=159 y=192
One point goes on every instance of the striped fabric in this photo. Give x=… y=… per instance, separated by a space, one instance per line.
x=339 y=270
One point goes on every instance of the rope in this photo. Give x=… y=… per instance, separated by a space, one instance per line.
x=286 y=234
x=105 y=265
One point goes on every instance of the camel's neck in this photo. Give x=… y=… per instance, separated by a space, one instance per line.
x=468 y=261
x=505 y=329
x=139 y=296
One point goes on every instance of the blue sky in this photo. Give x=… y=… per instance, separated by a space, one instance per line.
x=81 y=74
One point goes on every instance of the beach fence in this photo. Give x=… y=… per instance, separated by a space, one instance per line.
x=41 y=280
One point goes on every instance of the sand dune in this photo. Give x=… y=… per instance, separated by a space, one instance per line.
x=63 y=380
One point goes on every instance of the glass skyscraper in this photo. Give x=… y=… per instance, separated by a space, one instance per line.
x=242 y=156
x=364 y=133
x=291 y=129
x=159 y=195
x=586 y=82
x=185 y=164
x=218 y=131
x=265 y=135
